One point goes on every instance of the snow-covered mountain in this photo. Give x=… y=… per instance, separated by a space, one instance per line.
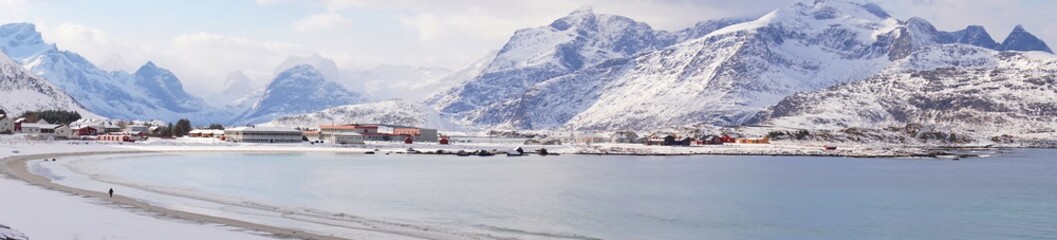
x=722 y=77
x=236 y=86
x=165 y=89
x=395 y=112
x=151 y=92
x=954 y=87
x=1022 y=40
x=577 y=41
x=720 y=72
x=23 y=91
x=298 y=90
x=325 y=66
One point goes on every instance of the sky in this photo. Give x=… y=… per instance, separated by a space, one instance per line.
x=202 y=41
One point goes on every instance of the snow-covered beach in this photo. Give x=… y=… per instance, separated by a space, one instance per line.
x=62 y=212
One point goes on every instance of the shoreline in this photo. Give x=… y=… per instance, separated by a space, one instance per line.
x=771 y=150
x=17 y=168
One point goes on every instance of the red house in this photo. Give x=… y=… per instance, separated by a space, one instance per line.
x=444 y=141
x=18 y=124
x=408 y=140
x=727 y=139
x=86 y=130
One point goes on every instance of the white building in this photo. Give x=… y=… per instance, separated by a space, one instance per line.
x=45 y=131
x=34 y=128
x=63 y=132
x=263 y=135
x=345 y=138
x=206 y=133
x=7 y=125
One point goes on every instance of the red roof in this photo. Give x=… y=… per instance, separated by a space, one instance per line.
x=347 y=126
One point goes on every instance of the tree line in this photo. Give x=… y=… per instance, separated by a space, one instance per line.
x=182 y=128
x=61 y=117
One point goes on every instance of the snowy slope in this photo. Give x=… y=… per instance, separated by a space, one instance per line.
x=457 y=80
x=954 y=87
x=574 y=42
x=395 y=112
x=152 y=92
x=298 y=90
x=23 y=91
x=7 y=233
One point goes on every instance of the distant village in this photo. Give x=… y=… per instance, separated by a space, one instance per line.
x=121 y=131
x=38 y=128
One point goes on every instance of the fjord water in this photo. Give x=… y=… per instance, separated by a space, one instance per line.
x=1008 y=196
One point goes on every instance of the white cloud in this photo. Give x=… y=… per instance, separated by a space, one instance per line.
x=322 y=21
x=200 y=60
x=207 y=57
x=474 y=24
x=12 y=10
x=96 y=45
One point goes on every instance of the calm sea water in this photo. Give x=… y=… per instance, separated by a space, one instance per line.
x=1008 y=196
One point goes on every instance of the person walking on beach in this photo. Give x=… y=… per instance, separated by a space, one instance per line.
x=111 y=193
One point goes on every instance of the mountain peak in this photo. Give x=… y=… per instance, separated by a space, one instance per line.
x=582 y=16
x=149 y=65
x=323 y=65
x=586 y=9
x=297 y=90
x=237 y=84
x=829 y=9
x=163 y=86
x=1022 y=40
x=20 y=40
x=298 y=73
x=975 y=35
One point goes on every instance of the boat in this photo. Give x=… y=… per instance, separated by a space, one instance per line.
x=484 y=153
x=462 y=153
x=368 y=152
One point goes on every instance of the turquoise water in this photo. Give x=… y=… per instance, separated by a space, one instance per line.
x=1007 y=196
